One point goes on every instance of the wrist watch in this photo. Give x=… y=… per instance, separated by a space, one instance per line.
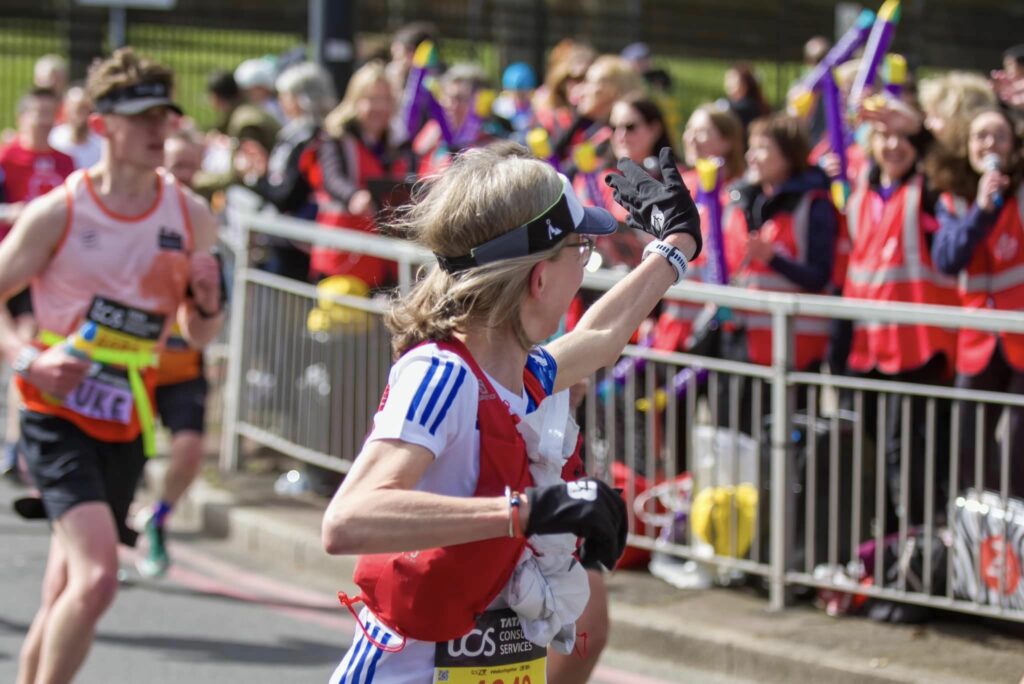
x=25 y=358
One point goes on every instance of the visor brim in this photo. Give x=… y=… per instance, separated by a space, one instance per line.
x=597 y=221
x=133 y=107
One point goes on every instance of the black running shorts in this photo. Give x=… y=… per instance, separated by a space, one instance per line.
x=182 y=406
x=69 y=467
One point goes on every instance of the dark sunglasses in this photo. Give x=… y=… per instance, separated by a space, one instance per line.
x=628 y=127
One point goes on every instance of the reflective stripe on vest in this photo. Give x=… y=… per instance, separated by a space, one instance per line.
x=913 y=268
x=809 y=333
x=774 y=281
x=133 y=362
x=988 y=282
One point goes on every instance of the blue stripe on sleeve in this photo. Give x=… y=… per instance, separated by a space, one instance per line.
x=362 y=658
x=422 y=389
x=376 y=657
x=436 y=394
x=448 y=401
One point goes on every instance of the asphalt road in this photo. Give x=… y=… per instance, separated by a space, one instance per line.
x=214 y=619
x=203 y=623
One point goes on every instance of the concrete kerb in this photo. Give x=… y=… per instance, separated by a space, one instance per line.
x=745 y=655
x=667 y=631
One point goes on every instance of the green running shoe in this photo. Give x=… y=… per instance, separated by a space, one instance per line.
x=154 y=565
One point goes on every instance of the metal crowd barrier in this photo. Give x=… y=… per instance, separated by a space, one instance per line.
x=788 y=474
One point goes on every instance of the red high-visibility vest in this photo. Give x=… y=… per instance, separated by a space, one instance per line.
x=891 y=262
x=993 y=279
x=788 y=232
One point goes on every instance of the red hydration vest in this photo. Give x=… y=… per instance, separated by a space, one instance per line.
x=437 y=594
x=788 y=232
x=362 y=165
x=890 y=262
x=993 y=279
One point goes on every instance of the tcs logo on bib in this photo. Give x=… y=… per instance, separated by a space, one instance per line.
x=464 y=647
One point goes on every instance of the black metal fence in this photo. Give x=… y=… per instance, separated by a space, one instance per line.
x=697 y=37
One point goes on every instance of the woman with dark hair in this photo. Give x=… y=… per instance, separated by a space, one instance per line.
x=743 y=93
x=638 y=132
x=780 y=231
x=981 y=235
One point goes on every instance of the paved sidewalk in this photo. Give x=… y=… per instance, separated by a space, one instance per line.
x=725 y=631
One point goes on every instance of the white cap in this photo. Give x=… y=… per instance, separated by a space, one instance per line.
x=254 y=73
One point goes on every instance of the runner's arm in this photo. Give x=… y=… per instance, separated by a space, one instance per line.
x=196 y=328
x=602 y=333
x=24 y=253
x=376 y=511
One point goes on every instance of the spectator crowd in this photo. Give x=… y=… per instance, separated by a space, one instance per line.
x=934 y=215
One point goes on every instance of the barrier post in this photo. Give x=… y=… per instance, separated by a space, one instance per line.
x=236 y=342
x=780 y=511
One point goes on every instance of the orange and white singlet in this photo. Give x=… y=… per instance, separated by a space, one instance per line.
x=127 y=276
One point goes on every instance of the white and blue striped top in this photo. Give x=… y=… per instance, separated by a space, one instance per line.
x=432 y=402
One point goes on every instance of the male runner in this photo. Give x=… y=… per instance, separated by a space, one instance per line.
x=181 y=389
x=115 y=256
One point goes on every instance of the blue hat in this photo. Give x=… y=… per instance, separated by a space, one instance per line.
x=518 y=76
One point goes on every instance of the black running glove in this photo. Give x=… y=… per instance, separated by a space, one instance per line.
x=661 y=208
x=587 y=508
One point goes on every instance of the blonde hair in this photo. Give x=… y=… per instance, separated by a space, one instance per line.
x=730 y=128
x=125 y=68
x=485 y=193
x=955 y=98
x=341 y=117
x=617 y=73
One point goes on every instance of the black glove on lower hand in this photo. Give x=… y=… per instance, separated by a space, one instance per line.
x=589 y=509
x=660 y=208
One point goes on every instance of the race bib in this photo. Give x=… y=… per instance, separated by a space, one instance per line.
x=495 y=652
x=122 y=327
x=104 y=396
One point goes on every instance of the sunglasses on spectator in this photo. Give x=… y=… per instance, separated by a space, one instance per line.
x=628 y=127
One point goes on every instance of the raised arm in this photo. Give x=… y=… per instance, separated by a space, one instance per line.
x=664 y=209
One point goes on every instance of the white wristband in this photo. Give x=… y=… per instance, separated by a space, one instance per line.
x=676 y=258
